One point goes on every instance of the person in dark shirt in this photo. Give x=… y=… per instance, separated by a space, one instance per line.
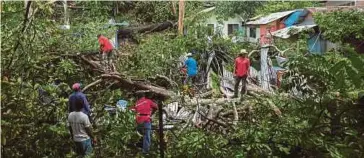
x=77 y=94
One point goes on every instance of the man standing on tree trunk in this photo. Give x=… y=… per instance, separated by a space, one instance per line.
x=106 y=51
x=241 y=72
x=144 y=108
x=191 y=65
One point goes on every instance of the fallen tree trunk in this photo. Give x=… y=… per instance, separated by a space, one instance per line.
x=128 y=83
x=194 y=101
x=128 y=32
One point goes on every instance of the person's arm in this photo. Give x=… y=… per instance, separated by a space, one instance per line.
x=70 y=129
x=89 y=130
x=185 y=63
x=101 y=42
x=69 y=105
x=234 y=72
x=248 y=64
x=154 y=107
x=87 y=105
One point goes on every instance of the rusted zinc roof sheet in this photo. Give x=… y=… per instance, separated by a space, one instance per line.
x=292 y=30
x=269 y=18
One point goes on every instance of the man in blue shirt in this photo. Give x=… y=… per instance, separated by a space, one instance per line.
x=77 y=94
x=191 y=65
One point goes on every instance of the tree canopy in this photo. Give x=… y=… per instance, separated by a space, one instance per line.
x=316 y=111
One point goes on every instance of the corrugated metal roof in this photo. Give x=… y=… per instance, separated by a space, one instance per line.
x=292 y=30
x=270 y=18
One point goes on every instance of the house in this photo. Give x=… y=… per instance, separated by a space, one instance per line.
x=259 y=28
x=225 y=27
x=317 y=44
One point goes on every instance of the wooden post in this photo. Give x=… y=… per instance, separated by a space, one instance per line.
x=181 y=12
x=161 y=134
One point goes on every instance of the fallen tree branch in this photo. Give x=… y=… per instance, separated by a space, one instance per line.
x=140 y=86
x=193 y=101
x=206 y=94
x=236 y=116
x=92 y=84
x=215 y=121
x=171 y=82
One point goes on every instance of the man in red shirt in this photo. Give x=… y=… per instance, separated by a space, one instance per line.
x=106 y=50
x=144 y=108
x=241 y=72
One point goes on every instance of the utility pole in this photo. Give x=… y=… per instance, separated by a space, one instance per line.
x=181 y=15
x=160 y=129
x=264 y=72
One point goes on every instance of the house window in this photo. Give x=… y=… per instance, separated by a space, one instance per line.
x=232 y=28
x=252 y=32
x=210 y=30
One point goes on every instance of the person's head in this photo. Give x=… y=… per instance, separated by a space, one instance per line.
x=76 y=87
x=188 y=55
x=141 y=93
x=79 y=104
x=99 y=35
x=243 y=53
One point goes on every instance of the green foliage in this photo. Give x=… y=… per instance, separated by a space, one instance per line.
x=332 y=72
x=274 y=6
x=343 y=26
x=33 y=58
x=243 y=8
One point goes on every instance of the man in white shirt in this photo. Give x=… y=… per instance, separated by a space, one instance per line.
x=80 y=129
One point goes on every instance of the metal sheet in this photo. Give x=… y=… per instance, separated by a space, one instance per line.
x=292 y=30
x=270 y=18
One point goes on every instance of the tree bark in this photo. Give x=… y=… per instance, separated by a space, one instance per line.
x=181 y=16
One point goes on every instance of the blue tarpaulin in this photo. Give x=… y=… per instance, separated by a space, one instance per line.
x=316 y=44
x=295 y=17
x=292 y=19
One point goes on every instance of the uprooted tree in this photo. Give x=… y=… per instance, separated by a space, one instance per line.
x=323 y=120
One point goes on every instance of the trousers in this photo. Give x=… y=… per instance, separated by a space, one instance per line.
x=145 y=129
x=83 y=148
x=237 y=82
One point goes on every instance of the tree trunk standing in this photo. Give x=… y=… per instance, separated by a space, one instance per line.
x=264 y=73
x=174 y=8
x=181 y=12
x=116 y=11
x=30 y=10
x=66 y=15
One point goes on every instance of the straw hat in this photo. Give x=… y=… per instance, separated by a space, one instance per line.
x=243 y=51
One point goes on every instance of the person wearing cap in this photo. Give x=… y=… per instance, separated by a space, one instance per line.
x=106 y=50
x=241 y=72
x=144 y=109
x=77 y=94
x=191 y=65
